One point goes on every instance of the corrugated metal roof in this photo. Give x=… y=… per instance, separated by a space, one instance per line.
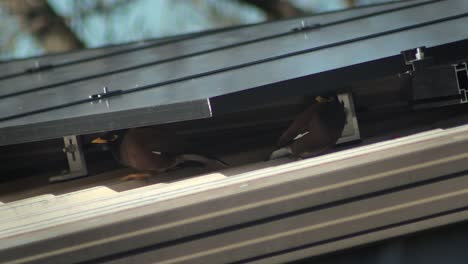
x=271 y=215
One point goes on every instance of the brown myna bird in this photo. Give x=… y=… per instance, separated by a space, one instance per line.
x=151 y=150
x=314 y=131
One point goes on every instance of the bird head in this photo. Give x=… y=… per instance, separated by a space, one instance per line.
x=324 y=99
x=333 y=110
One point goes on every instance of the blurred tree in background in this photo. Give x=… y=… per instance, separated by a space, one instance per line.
x=33 y=27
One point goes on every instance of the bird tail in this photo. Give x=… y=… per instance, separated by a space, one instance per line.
x=207 y=161
x=280 y=153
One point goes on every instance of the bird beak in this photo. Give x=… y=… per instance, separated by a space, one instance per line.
x=99 y=141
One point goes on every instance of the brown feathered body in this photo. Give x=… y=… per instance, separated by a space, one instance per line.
x=315 y=130
x=149 y=149
x=154 y=150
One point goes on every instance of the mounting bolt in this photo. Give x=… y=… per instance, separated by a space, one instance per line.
x=69 y=149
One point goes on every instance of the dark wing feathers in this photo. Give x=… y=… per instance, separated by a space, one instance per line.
x=299 y=126
x=317 y=121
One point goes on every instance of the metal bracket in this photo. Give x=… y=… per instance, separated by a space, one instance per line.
x=351 y=130
x=38 y=67
x=105 y=93
x=414 y=55
x=461 y=70
x=305 y=25
x=75 y=158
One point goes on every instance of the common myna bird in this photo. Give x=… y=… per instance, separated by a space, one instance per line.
x=314 y=131
x=151 y=150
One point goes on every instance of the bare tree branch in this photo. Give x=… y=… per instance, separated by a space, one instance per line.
x=97 y=7
x=50 y=29
x=350 y=3
x=276 y=9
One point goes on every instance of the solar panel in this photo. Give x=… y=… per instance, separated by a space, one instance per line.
x=175 y=81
